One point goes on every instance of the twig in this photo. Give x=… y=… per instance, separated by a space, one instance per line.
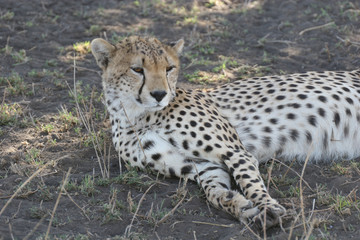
x=57 y=203
x=163 y=219
x=312 y=222
x=355 y=11
x=293 y=226
x=267 y=187
x=280 y=41
x=43 y=5
x=353 y=192
x=312 y=209
x=27 y=181
x=288 y=168
x=35 y=228
x=17 y=211
x=7 y=48
x=173 y=225
x=262 y=40
x=83 y=211
x=11 y=232
x=84 y=69
x=348 y=41
x=310 y=229
x=301 y=191
x=108 y=159
x=252 y=231
x=215 y=224
x=157 y=236
x=295 y=173
x=119 y=159
x=128 y=228
x=315 y=28
x=24 y=195
x=194 y=232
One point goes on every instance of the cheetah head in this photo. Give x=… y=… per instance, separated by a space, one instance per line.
x=141 y=73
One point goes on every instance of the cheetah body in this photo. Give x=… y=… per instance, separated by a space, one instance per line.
x=199 y=134
x=313 y=114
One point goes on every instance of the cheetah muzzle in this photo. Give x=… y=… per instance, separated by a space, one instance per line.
x=213 y=136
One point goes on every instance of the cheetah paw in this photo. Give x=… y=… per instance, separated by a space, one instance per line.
x=248 y=212
x=269 y=216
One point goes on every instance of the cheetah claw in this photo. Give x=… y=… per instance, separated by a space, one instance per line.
x=248 y=211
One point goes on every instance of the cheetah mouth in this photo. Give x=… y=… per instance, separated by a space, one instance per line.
x=157 y=107
x=153 y=106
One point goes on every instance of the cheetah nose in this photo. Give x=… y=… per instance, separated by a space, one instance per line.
x=158 y=95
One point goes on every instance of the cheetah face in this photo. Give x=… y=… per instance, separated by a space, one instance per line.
x=140 y=72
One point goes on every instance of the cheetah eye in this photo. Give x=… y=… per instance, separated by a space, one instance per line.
x=168 y=69
x=138 y=70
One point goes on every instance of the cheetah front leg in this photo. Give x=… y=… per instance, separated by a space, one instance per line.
x=244 y=168
x=212 y=176
x=215 y=181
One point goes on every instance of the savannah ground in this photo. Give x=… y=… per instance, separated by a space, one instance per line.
x=59 y=174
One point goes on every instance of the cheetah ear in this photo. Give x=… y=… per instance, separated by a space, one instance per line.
x=102 y=51
x=178 y=46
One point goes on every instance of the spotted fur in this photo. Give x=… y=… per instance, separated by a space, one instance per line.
x=215 y=135
x=313 y=114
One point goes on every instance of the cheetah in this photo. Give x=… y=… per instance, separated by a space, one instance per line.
x=214 y=136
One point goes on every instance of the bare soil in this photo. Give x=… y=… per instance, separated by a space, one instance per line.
x=225 y=40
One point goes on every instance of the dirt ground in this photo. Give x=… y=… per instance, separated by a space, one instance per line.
x=42 y=136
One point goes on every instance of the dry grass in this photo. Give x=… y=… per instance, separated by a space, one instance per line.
x=62 y=189
x=27 y=181
x=103 y=156
x=128 y=228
